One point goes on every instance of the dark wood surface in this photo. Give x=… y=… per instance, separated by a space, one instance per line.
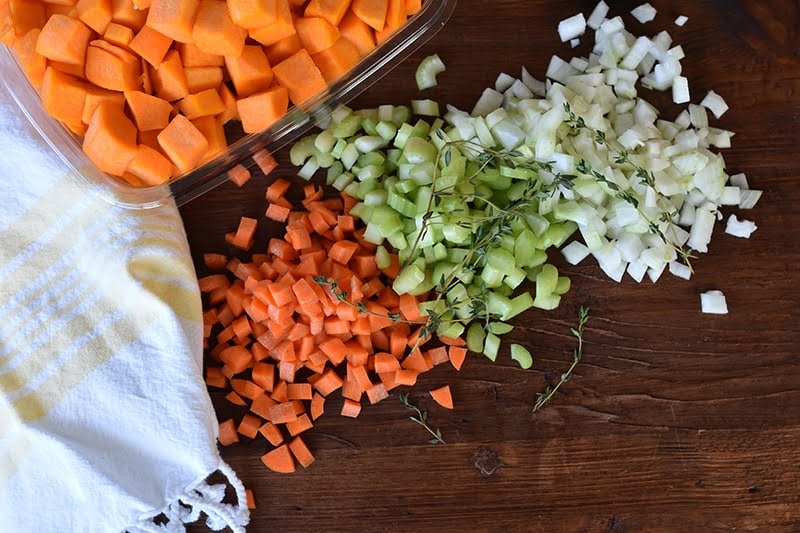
x=675 y=420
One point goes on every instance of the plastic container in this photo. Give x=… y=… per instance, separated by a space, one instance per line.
x=419 y=29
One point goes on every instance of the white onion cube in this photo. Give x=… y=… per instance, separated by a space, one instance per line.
x=644 y=13
x=571 y=27
x=681 y=20
x=598 y=15
x=713 y=302
x=715 y=104
x=740 y=228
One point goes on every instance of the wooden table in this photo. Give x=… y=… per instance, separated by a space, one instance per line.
x=675 y=420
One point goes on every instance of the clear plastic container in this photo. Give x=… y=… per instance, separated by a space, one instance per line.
x=419 y=29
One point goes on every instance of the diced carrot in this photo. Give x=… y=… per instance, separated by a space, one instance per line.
x=214 y=32
x=227 y=433
x=358 y=33
x=150 y=166
x=280 y=28
x=110 y=141
x=279 y=460
x=457 y=354
x=199 y=79
x=169 y=79
x=438 y=355
x=214 y=378
x=118 y=35
x=372 y=12
x=377 y=393
x=299 y=391
x=443 y=397
x=301 y=452
x=282 y=413
x=239 y=175
x=336 y=60
x=151 y=45
x=235 y=399
x=406 y=377
x=251 y=502
x=315 y=33
x=126 y=13
x=173 y=18
x=386 y=362
x=183 y=143
x=261 y=110
x=237 y=358
x=265 y=161
x=249 y=426
x=63 y=96
x=246 y=388
x=215 y=261
x=317 y=405
x=250 y=71
x=213 y=131
x=329 y=382
x=298 y=426
x=300 y=76
x=283 y=49
x=351 y=408
x=95 y=13
x=204 y=103
x=64 y=39
x=331 y=10
x=343 y=251
x=452 y=341
x=149 y=112
x=413 y=7
x=249 y=14
x=112 y=67
x=272 y=433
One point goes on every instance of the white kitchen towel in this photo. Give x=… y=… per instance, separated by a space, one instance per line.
x=105 y=421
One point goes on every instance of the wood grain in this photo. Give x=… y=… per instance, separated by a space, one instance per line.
x=674 y=421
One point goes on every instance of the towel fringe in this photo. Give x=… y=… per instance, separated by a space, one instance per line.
x=204 y=498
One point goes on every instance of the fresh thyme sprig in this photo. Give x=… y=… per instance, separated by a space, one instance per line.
x=543 y=398
x=422 y=420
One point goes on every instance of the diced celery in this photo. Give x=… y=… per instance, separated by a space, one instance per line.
x=522 y=356
x=400 y=204
x=370 y=171
x=371 y=158
x=500 y=328
x=375 y=196
x=475 y=337
x=563 y=286
x=497 y=304
x=347 y=127
x=418 y=150
x=386 y=113
x=302 y=150
x=546 y=280
x=325 y=141
x=405 y=186
x=427 y=108
x=408 y=279
x=514 y=278
x=368 y=143
x=341 y=182
x=309 y=169
x=401 y=114
x=450 y=329
x=428 y=69
x=519 y=304
x=500 y=259
x=334 y=171
x=491 y=346
x=403 y=134
x=547 y=302
x=382 y=257
x=349 y=156
x=365 y=187
x=397 y=240
x=386 y=130
x=492 y=277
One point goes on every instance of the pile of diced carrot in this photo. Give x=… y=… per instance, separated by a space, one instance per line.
x=311 y=316
x=149 y=84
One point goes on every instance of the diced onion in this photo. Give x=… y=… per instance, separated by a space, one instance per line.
x=715 y=104
x=713 y=302
x=681 y=20
x=572 y=27
x=598 y=15
x=740 y=228
x=644 y=13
